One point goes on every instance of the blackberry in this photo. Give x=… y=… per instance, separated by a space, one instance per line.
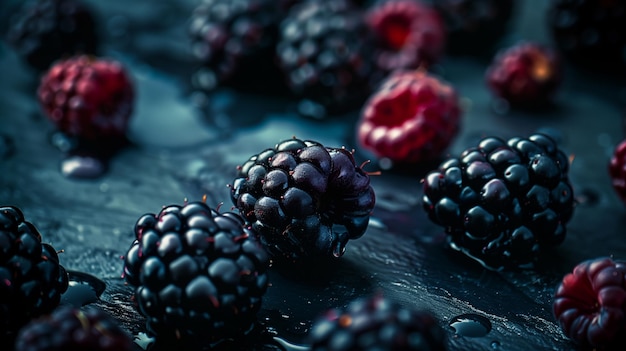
x=502 y=203
x=589 y=304
x=617 y=170
x=474 y=27
x=68 y=328
x=199 y=275
x=376 y=323
x=590 y=32
x=49 y=30
x=235 y=40
x=31 y=278
x=325 y=53
x=304 y=200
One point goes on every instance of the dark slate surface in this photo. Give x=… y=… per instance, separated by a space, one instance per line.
x=178 y=153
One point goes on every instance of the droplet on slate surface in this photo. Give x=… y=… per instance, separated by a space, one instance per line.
x=470 y=325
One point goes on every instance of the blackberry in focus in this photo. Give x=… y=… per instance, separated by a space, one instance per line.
x=413 y=117
x=474 y=27
x=589 y=304
x=325 y=54
x=31 y=278
x=526 y=74
x=304 y=200
x=49 y=30
x=376 y=323
x=408 y=34
x=199 y=275
x=617 y=170
x=68 y=328
x=591 y=33
x=503 y=202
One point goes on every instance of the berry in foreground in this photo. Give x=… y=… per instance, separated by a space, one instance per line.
x=412 y=117
x=199 y=275
x=617 y=170
x=68 y=328
x=408 y=34
x=503 y=202
x=589 y=304
x=526 y=74
x=88 y=98
x=303 y=199
x=49 y=30
x=376 y=323
x=31 y=278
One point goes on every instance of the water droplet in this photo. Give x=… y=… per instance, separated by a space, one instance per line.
x=495 y=344
x=82 y=290
x=339 y=249
x=470 y=325
x=82 y=167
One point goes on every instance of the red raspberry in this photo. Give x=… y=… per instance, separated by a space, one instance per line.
x=413 y=117
x=590 y=303
x=617 y=170
x=87 y=97
x=525 y=74
x=409 y=34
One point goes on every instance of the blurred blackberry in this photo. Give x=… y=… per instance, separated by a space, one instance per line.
x=304 y=200
x=502 y=203
x=235 y=40
x=376 y=324
x=199 y=275
x=591 y=32
x=32 y=278
x=325 y=54
x=68 y=328
x=474 y=26
x=49 y=30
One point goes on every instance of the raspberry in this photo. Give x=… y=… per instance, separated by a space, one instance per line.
x=474 y=27
x=591 y=33
x=589 y=304
x=413 y=117
x=324 y=52
x=409 y=34
x=304 y=200
x=68 y=328
x=49 y=30
x=376 y=323
x=617 y=170
x=526 y=74
x=88 y=98
x=199 y=275
x=502 y=203
x=31 y=278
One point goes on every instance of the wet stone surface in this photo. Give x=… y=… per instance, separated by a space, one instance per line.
x=178 y=151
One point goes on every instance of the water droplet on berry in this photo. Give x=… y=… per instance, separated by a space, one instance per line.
x=83 y=289
x=470 y=325
x=82 y=167
x=339 y=249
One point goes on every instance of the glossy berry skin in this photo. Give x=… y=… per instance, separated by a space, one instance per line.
x=305 y=200
x=199 y=275
x=71 y=329
x=88 y=98
x=503 y=203
x=376 y=323
x=590 y=304
x=31 y=278
x=617 y=170
x=49 y=30
x=413 y=117
x=526 y=74
x=408 y=34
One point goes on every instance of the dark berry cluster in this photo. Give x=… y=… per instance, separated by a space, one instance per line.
x=304 y=199
x=376 y=323
x=199 y=275
x=503 y=202
x=31 y=278
x=68 y=328
x=617 y=170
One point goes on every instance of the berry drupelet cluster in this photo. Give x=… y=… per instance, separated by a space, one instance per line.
x=304 y=200
x=31 y=278
x=199 y=275
x=503 y=202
